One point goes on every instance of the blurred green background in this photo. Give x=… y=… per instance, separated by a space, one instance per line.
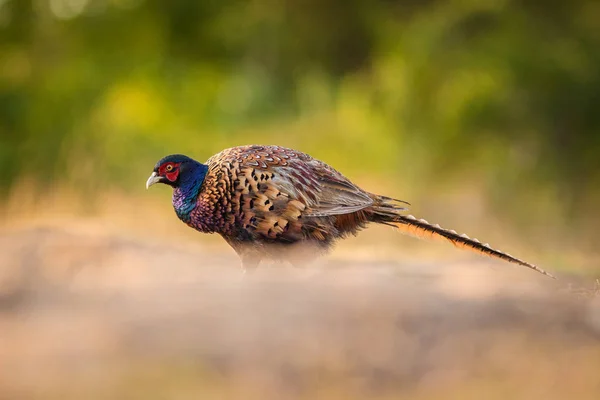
x=483 y=114
x=498 y=100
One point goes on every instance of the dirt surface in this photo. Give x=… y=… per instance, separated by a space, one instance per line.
x=103 y=316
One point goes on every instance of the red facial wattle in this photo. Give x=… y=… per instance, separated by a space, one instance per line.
x=172 y=176
x=169 y=171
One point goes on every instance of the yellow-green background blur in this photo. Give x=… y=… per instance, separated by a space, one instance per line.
x=485 y=111
x=483 y=114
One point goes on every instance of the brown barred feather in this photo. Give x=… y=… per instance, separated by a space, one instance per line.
x=424 y=230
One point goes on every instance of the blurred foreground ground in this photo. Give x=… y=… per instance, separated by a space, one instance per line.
x=105 y=316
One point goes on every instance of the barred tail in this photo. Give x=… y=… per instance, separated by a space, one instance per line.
x=423 y=229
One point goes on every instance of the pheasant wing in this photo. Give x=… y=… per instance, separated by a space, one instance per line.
x=322 y=190
x=337 y=195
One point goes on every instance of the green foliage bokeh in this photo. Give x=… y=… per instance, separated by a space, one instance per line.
x=503 y=93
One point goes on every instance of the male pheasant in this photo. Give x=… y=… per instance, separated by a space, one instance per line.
x=274 y=202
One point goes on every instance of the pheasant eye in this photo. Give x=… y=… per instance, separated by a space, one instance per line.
x=169 y=168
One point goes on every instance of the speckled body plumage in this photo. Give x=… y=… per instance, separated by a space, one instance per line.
x=270 y=201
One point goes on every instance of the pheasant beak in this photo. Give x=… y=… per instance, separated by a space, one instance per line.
x=154 y=178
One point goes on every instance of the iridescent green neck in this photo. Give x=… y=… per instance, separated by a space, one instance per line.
x=185 y=195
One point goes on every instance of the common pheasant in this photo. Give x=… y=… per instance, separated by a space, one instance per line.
x=275 y=202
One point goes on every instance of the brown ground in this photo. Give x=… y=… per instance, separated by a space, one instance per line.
x=103 y=316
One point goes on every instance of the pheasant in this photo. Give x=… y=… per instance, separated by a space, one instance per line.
x=278 y=203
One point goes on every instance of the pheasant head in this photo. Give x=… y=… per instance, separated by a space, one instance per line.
x=184 y=175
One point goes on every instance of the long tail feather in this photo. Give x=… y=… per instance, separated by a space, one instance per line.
x=423 y=229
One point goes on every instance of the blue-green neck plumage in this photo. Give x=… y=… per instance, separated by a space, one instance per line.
x=185 y=194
